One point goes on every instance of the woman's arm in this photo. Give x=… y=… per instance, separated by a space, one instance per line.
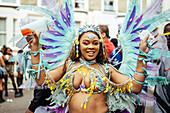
x=56 y=73
x=119 y=78
x=2 y=62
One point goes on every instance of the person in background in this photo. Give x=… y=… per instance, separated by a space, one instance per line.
x=2 y=74
x=105 y=36
x=10 y=70
x=20 y=73
x=162 y=92
x=3 y=48
x=114 y=41
x=39 y=102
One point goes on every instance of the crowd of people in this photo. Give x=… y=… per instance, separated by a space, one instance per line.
x=7 y=70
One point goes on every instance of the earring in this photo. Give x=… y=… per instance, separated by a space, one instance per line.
x=77 y=48
x=102 y=45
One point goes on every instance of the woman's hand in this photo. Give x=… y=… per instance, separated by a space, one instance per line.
x=144 y=45
x=34 y=43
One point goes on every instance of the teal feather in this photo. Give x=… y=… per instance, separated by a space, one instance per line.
x=45 y=12
x=156 y=80
x=167 y=54
x=129 y=48
x=157 y=20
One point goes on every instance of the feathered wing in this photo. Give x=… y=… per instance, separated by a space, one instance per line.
x=135 y=22
x=59 y=39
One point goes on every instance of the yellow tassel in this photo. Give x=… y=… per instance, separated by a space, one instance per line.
x=62 y=80
x=63 y=105
x=104 y=78
x=84 y=106
x=77 y=55
x=64 y=89
x=84 y=75
x=90 y=94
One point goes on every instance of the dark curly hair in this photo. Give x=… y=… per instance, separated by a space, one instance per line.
x=102 y=57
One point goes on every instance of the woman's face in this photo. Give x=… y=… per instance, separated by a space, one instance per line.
x=89 y=46
x=8 y=51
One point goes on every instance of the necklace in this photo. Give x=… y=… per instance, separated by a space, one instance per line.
x=87 y=62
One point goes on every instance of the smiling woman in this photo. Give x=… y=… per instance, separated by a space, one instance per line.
x=82 y=81
x=86 y=79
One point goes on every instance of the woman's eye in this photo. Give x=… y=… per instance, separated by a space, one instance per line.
x=85 y=43
x=96 y=43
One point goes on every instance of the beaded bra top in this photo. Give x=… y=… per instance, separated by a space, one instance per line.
x=98 y=81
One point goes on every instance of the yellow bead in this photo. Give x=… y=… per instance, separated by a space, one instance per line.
x=85 y=106
x=104 y=78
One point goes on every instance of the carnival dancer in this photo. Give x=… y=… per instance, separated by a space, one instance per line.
x=83 y=81
x=88 y=75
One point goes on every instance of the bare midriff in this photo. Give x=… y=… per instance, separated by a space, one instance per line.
x=96 y=103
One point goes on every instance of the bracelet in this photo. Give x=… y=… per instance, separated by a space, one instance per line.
x=142 y=53
x=139 y=73
x=144 y=60
x=149 y=46
x=145 y=72
x=35 y=65
x=35 y=52
x=33 y=71
x=138 y=81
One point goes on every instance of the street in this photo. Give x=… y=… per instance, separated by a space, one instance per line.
x=18 y=105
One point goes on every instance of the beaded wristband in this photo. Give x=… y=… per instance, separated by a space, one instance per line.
x=142 y=53
x=35 y=52
x=149 y=46
x=144 y=60
x=139 y=73
x=138 y=81
x=35 y=65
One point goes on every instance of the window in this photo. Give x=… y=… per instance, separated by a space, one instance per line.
x=14 y=30
x=77 y=26
x=2 y=31
x=81 y=5
x=109 y=5
x=10 y=2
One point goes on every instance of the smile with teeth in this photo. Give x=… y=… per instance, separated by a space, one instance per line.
x=90 y=53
